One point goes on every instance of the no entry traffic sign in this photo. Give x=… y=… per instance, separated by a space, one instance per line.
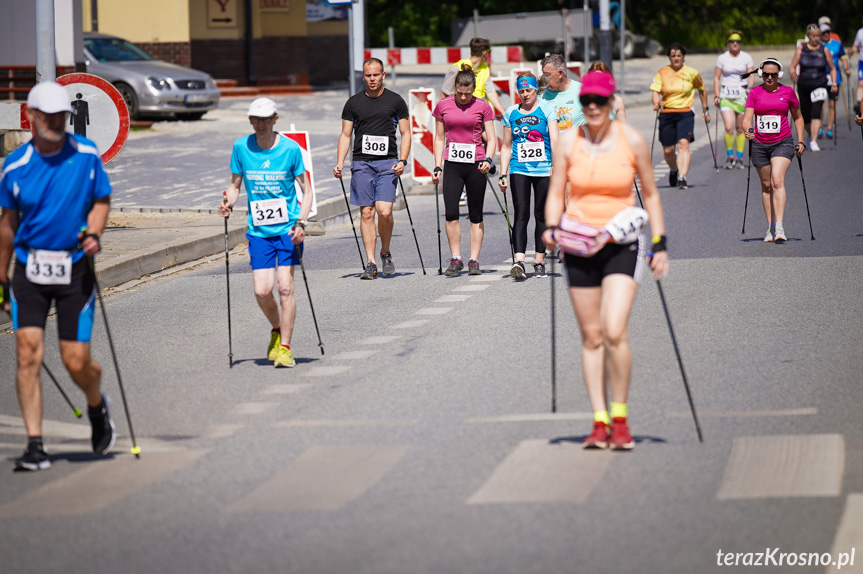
x=99 y=112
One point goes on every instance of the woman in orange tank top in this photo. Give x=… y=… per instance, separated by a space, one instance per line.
x=599 y=162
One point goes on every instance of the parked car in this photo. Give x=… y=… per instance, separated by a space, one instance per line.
x=148 y=85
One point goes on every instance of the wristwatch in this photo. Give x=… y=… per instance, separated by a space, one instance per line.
x=404 y=161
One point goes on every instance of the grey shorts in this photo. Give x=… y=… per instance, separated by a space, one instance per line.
x=762 y=153
x=373 y=181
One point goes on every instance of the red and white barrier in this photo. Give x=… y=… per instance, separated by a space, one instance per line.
x=12 y=116
x=404 y=56
x=421 y=104
x=302 y=138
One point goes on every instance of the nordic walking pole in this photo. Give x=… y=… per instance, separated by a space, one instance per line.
x=707 y=129
x=845 y=103
x=803 y=181
x=228 y=284
x=679 y=361
x=716 y=140
x=136 y=450
x=351 y=215
x=309 y=293
x=75 y=411
x=748 y=172
x=638 y=193
x=411 y=219
x=506 y=215
x=653 y=141
x=553 y=345
x=437 y=210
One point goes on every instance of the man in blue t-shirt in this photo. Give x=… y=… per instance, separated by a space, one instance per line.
x=55 y=197
x=839 y=55
x=271 y=167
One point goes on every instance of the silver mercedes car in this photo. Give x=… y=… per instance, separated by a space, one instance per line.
x=148 y=85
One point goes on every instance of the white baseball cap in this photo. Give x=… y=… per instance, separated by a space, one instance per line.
x=824 y=20
x=263 y=108
x=49 y=97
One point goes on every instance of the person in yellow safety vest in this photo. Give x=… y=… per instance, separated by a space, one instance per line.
x=479 y=50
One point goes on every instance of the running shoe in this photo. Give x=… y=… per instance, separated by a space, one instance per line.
x=598 y=438
x=539 y=269
x=620 y=437
x=473 y=267
x=273 y=348
x=34 y=458
x=462 y=201
x=389 y=267
x=729 y=163
x=455 y=265
x=672 y=178
x=517 y=270
x=104 y=431
x=285 y=358
x=739 y=164
x=821 y=133
x=371 y=271
x=780 y=234
x=830 y=134
x=769 y=237
x=813 y=145
x=681 y=183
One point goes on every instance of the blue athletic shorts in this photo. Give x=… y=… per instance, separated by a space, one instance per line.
x=676 y=126
x=266 y=252
x=373 y=181
x=860 y=70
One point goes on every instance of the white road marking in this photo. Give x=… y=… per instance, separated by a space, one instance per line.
x=356 y=355
x=471 y=288
x=345 y=423
x=50 y=428
x=285 y=389
x=488 y=277
x=222 y=431
x=98 y=485
x=325 y=371
x=381 y=340
x=411 y=324
x=532 y=417
x=433 y=311
x=323 y=478
x=784 y=466
x=452 y=298
x=849 y=534
x=731 y=414
x=253 y=408
x=537 y=471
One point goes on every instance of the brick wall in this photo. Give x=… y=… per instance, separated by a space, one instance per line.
x=277 y=60
x=175 y=52
x=330 y=59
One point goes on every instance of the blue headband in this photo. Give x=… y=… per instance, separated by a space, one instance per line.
x=526 y=82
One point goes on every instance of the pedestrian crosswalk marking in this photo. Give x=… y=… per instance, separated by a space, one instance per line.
x=850 y=531
x=471 y=288
x=324 y=371
x=538 y=471
x=253 y=408
x=411 y=324
x=345 y=423
x=732 y=414
x=532 y=417
x=453 y=298
x=355 y=355
x=222 y=431
x=323 y=478
x=50 y=428
x=784 y=466
x=433 y=311
x=285 y=389
x=98 y=485
x=379 y=340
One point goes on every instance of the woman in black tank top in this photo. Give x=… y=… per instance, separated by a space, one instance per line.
x=814 y=59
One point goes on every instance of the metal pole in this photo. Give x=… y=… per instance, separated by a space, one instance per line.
x=622 y=82
x=475 y=23
x=392 y=45
x=352 y=82
x=587 y=29
x=94 y=15
x=250 y=60
x=604 y=33
x=46 y=64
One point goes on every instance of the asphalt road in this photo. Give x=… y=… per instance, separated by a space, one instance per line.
x=423 y=442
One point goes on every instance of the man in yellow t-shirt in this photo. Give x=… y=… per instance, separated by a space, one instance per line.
x=674 y=92
x=479 y=50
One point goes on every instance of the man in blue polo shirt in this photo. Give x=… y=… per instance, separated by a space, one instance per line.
x=55 y=198
x=271 y=168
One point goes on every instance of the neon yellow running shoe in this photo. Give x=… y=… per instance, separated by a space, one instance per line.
x=285 y=358
x=275 y=343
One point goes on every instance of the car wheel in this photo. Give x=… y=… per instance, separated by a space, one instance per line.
x=130 y=97
x=190 y=117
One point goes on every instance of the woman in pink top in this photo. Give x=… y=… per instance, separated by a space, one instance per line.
x=461 y=121
x=771 y=145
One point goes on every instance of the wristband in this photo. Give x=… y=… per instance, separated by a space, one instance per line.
x=437 y=170
x=658 y=244
x=501 y=178
x=403 y=161
x=485 y=159
x=301 y=224
x=4 y=292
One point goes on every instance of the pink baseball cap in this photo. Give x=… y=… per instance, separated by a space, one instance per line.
x=597 y=83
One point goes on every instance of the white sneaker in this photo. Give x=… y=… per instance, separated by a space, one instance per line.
x=462 y=201
x=769 y=237
x=780 y=234
x=813 y=146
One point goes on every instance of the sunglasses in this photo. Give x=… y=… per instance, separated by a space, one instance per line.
x=588 y=99
x=733 y=41
x=769 y=74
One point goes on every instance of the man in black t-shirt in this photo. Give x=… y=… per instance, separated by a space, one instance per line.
x=373 y=116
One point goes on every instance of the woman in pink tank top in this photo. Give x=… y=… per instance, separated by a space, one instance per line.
x=599 y=162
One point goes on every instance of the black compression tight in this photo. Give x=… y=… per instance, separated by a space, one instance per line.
x=463 y=176
x=520 y=185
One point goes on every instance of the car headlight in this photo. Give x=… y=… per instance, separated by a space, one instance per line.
x=158 y=84
x=211 y=85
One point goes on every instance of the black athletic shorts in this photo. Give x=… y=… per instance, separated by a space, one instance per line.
x=75 y=302
x=762 y=153
x=627 y=259
x=676 y=126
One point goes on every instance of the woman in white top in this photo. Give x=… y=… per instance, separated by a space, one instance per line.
x=729 y=95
